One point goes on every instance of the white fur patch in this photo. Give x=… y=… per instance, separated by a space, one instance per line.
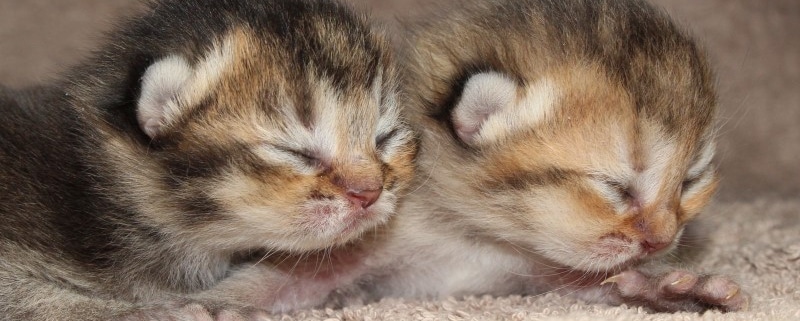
x=326 y=134
x=210 y=70
x=658 y=159
x=170 y=86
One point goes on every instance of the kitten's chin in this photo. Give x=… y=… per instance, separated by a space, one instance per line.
x=328 y=224
x=609 y=257
x=598 y=263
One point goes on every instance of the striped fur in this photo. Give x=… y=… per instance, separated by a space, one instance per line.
x=201 y=137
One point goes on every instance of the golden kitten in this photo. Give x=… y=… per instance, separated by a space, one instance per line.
x=564 y=143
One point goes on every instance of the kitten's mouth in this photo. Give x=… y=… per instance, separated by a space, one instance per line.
x=342 y=223
x=617 y=251
x=618 y=261
x=609 y=254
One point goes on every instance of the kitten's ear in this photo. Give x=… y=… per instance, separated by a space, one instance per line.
x=162 y=84
x=484 y=94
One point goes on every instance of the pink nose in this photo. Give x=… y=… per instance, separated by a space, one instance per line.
x=365 y=198
x=652 y=246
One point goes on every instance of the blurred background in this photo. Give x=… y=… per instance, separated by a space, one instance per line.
x=753 y=44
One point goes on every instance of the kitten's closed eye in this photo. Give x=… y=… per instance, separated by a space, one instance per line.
x=689 y=182
x=304 y=160
x=383 y=140
x=620 y=193
x=623 y=190
x=394 y=141
x=305 y=155
x=693 y=181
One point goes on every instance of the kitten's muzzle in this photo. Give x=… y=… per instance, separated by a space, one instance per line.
x=362 y=192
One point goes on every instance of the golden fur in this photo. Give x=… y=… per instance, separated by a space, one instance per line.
x=605 y=142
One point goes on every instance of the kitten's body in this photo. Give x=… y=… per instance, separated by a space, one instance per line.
x=562 y=142
x=203 y=137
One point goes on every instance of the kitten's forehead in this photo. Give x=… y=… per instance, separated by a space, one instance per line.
x=337 y=123
x=342 y=123
x=248 y=86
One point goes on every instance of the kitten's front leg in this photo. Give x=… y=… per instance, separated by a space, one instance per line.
x=294 y=282
x=248 y=294
x=312 y=280
x=680 y=290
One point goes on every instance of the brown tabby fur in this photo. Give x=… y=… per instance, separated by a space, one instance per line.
x=288 y=106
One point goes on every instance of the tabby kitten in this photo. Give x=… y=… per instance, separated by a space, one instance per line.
x=564 y=143
x=202 y=137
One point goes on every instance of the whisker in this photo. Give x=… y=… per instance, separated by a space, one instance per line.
x=430 y=172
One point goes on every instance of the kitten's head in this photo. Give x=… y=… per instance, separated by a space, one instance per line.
x=277 y=127
x=585 y=136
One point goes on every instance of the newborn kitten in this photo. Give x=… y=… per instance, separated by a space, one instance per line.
x=563 y=143
x=202 y=136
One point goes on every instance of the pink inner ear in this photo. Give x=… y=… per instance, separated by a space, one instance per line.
x=466 y=134
x=151 y=112
x=150 y=126
x=468 y=126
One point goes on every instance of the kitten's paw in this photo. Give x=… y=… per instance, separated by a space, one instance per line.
x=196 y=312
x=680 y=290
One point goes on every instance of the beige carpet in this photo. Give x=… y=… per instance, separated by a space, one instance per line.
x=762 y=251
x=753 y=232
